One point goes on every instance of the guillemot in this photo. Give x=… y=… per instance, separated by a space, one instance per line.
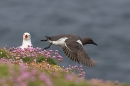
x=72 y=46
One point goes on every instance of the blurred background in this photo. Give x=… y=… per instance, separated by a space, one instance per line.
x=107 y=22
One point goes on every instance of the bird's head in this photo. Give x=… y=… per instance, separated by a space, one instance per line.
x=26 y=36
x=87 y=40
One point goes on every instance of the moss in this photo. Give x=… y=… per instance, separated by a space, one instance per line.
x=27 y=59
x=49 y=60
x=3 y=53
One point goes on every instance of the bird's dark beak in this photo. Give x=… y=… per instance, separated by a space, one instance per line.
x=95 y=43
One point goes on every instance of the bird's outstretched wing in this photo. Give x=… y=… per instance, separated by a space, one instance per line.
x=75 y=51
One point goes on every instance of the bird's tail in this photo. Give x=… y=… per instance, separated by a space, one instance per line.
x=46 y=39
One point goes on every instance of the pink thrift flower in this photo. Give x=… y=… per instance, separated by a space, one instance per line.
x=53 y=56
x=17 y=58
x=69 y=77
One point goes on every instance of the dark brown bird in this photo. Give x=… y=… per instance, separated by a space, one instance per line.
x=72 y=46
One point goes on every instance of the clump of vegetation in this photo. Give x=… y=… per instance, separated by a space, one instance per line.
x=37 y=67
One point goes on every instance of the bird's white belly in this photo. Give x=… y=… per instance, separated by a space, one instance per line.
x=60 y=42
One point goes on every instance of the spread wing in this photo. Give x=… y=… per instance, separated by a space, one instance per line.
x=75 y=51
x=71 y=55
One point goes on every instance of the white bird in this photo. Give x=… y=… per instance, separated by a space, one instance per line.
x=26 y=41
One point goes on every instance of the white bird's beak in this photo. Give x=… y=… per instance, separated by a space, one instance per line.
x=26 y=36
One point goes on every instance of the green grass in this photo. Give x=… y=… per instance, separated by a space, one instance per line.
x=39 y=59
x=4 y=70
x=49 y=60
x=3 y=53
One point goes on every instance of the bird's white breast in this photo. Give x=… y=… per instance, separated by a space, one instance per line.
x=60 y=42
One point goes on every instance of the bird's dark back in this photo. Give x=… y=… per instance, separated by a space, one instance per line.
x=55 y=38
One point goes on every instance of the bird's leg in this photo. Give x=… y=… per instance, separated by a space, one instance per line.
x=44 y=40
x=48 y=46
